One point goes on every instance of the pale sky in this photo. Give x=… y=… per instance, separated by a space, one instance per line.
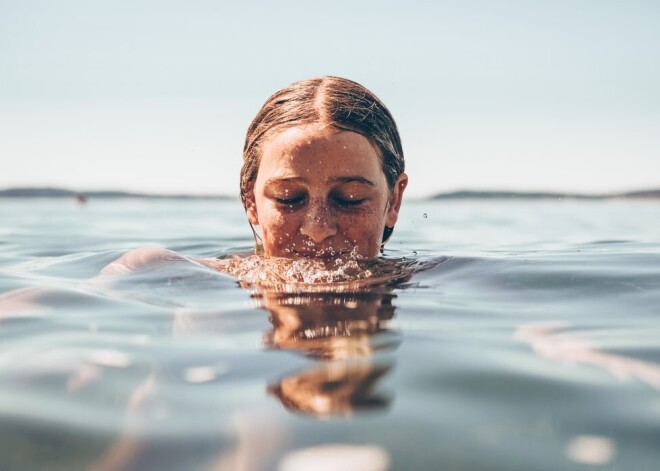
x=155 y=96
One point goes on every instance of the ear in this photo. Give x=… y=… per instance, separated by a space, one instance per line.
x=251 y=208
x=395 y=200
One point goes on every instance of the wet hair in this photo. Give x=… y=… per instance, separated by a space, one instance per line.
x=328 y=101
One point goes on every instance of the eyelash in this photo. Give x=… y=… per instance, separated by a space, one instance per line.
x=290 y=201
x=348 y=203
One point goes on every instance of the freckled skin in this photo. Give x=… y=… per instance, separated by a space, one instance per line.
x=321 y=192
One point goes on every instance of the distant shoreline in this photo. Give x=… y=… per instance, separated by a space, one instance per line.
x=456 y=195
x=47 y=192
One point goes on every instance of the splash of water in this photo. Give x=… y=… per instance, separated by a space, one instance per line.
x=346 y=273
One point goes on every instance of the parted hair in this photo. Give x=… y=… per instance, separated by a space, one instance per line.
x=327 y=101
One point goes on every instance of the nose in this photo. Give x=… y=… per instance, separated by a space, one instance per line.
x=319 y=223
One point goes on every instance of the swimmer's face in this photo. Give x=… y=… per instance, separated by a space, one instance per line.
x=321 y=193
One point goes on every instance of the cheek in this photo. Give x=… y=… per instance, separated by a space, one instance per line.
x=278 y=227
x=364 y=229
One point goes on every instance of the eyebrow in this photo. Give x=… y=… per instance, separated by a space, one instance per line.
x=352 y=179
x=347 y=179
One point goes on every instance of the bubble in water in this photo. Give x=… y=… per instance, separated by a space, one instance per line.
x=425 y=215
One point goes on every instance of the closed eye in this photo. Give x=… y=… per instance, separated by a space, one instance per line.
x=348 y=203
x=290 y=201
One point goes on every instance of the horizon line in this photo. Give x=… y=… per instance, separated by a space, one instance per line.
x=62 y=192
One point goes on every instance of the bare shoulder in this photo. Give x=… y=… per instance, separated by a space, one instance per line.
x=140 y=259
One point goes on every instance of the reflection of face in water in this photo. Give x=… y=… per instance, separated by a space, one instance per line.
x=349 y=332
x=333 y=389
x=329 y=326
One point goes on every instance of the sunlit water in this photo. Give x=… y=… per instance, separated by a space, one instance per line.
x=519 y=336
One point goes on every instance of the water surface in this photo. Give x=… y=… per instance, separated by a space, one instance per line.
x=527 y=337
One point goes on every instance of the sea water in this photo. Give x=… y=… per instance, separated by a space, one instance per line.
x=526 y=335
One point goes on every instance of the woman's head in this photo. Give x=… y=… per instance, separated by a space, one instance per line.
x=323 y=170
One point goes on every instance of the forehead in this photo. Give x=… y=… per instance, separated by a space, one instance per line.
x=314 y=150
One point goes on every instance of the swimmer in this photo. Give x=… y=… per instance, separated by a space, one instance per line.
x=322 y=182
x=322 y=178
